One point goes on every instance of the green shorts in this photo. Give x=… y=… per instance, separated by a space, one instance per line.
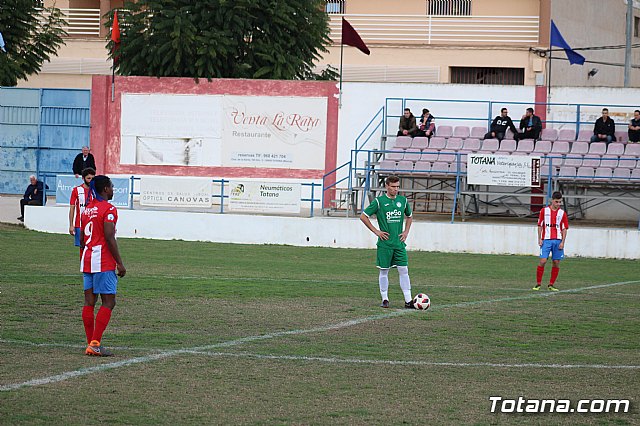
x=390 y=257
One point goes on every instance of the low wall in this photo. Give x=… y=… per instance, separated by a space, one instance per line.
x=344 y=232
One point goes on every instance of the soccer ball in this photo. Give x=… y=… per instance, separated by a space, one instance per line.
x=421 y=302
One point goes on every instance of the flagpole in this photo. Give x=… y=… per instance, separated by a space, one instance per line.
x=549 y=77
x=113 y=82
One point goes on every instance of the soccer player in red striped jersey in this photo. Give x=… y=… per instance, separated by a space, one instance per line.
x=99 y=261
x=80 y=197
x=552 y=233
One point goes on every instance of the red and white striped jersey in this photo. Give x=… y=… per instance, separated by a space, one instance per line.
x=80 y=197
x=552 y=222
x=96 y=256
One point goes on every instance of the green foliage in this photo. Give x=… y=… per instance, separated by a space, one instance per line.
x=269 y=39
x=32 y=34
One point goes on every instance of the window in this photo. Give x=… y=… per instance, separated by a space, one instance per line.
x=449 y=7
x=636 y=26
x=480 y=75
x=335 y=6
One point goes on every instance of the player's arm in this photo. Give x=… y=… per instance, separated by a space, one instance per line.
x=81 y=237
x=72 y=210
x=110 y=237
x=540 y=228
x=367 y=222
x=564 y=237
x=407 y=227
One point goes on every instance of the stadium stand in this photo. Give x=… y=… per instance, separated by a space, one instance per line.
x=461 y=132
x=567 y=135
x=478 y=132
x=444 y=131
x=549 y=135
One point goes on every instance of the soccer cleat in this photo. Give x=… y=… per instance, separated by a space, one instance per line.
x=552 y=288
x=384 y=304
x=95 y=349
x=409 y=305
x=536 y=288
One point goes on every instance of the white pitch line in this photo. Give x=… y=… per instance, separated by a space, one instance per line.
x=64 y=345
x=344 y=324
x=332 y=360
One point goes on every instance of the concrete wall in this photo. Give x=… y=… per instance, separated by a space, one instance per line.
x=344 y=233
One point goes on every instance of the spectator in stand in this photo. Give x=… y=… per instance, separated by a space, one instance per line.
x=531 y=126
x=427 y=124
x=634 y=127
x=499 y=126
x=604 y=129
x=33 y=196
x=83 y=161
x=407 y=124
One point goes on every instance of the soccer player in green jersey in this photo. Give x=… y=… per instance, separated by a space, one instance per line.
x=390 y=210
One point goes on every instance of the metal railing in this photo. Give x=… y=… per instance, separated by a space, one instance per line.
x=439 y=29
x=80 y=22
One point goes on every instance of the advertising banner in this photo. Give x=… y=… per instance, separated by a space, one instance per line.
x=176 y=192
x=260 y=197
x=503 y=170
x=66 y=183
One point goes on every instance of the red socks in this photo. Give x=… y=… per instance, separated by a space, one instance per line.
x=102 y=320
x=87 y=319
x=554 y=275
x=539 y=274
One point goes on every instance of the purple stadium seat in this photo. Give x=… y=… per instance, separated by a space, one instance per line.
x=567 y=172
x=453 y=144
x=632 y=150
x=489 y=145
x=402 y=142
x=412 y=154
x=429 y=155
x=591 y=161
x=387 y=165
x=471 y=145
x=615 y=148
x=627 y=163
x=597 y=148
x=560 y=148
x=526 y=146
x=395 y=155
x=437 y=142
x=621 y=174
x=580 y=148
x=549 y=135
x=584 y=135
x=543 y=147
x=405 y=166
x=622 y=136
x=440 y=167
x=444 y=131
x=461 y=132
x=420 y=142
x=603 y=173
x=573 y=161
x=567 y=135
x=585 y=173
x=609 y=160
x=422 y=167
x=478 y=132
x=635 y=174
x=446 y=157
x=507 y=146
x=508 y=134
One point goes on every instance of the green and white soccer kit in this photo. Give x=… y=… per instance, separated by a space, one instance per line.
x=390 y=214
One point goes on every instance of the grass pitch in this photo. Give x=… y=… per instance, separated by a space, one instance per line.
x=237 y=334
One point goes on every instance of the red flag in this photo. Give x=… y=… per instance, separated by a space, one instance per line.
x=350 y=37
x=115 y=29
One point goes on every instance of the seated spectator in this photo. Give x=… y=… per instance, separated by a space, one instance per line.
x=531 y=126
x=634 y=127
x=426 y=125
x=33 y=196
x=499 y=126
x=604 y=129
x=82 y=161
x=407 y=124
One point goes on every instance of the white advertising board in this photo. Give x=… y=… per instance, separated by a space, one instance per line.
x=503 y=170
x=261 y=197
x=176 y=192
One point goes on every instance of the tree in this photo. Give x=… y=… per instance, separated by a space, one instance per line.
x=32 y=34
x=274 y=39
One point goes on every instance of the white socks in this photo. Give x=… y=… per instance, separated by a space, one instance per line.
x=405 y=282
x=383 y=280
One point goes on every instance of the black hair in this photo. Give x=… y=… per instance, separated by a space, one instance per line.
x=556 y=195
x=88 y=171
x=502 y=109
x=100 y=182
x=530 y=110
x=392 y=179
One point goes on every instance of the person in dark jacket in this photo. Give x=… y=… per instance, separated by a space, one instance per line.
x=82 y=161
x=634 y=127
x=604 y=129
x=407 y=125
x=33 y=196
x=531 y=126
x=426 y=124
x=499 y=126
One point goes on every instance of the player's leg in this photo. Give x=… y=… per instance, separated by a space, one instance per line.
x=383 y=262
x=401 y=260
x=105 y=284
x=544 y=255
x=89 y=306
x=556 y=256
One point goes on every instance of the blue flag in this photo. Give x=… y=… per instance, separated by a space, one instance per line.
x=2 y=43
x=558 y=41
